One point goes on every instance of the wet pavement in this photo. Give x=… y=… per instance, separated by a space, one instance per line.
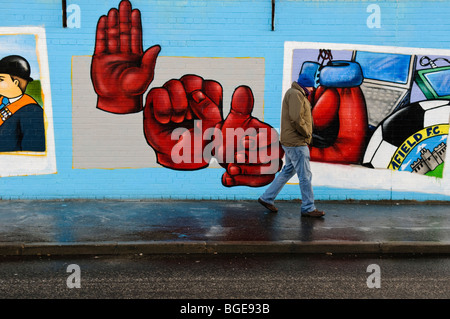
x=74 y=227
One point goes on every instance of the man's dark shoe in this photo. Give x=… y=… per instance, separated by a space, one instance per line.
x=270 y=207
x=315 y=213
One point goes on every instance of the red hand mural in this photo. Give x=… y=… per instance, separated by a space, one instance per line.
x=121 y=71
x=250 y=150
x=182 y=104
x=184 y=117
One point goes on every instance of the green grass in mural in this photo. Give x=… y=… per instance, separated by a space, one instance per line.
x=437 y=172
x=35 y=91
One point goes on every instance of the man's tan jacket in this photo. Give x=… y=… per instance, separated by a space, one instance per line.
x=296 y=118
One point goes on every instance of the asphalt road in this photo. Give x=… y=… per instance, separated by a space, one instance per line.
x=226 y=277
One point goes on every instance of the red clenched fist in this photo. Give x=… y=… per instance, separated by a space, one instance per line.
x=121 y=72
x=176 y=117
x=249 y=150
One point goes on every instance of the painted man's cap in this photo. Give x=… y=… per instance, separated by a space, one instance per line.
x=17 y=66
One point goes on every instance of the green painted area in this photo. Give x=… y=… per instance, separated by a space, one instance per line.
x=35 y=91
x=437 y=172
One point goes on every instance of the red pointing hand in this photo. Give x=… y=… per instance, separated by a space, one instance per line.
x=121 y=71
x=176 y=117
x=250 y=150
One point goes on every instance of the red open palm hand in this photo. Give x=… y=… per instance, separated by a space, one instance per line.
x=121 y=71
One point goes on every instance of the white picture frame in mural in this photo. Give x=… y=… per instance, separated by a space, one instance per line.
x=30 y=44
x=375 y=169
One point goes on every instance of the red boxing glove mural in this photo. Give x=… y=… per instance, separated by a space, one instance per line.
x=183 y=120
x=121 y=71
x=340 y=114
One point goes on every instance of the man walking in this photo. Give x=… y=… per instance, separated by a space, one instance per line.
x=296 y=135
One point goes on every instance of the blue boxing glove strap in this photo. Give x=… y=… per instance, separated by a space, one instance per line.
x=340 y=74
x=311 y=70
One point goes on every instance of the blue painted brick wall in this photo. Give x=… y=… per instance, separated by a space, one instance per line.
x=219 y=28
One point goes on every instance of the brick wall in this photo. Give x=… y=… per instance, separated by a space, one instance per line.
x=102 y=155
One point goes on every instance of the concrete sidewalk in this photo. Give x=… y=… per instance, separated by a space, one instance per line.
x=80 y=227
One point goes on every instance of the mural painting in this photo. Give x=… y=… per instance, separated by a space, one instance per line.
x=183 y=120
x=375 y=110
x=26 y=126
x=25 y=130
x=378 y=109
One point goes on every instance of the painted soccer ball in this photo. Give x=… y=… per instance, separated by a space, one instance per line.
x=412 y=139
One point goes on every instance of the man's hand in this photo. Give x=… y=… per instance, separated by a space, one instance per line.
x=121 y=71
x=249 y=150
x=176 y=117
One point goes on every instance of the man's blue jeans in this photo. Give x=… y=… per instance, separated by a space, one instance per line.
x=297 y=162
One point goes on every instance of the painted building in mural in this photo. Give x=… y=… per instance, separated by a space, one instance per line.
x=182 y=99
